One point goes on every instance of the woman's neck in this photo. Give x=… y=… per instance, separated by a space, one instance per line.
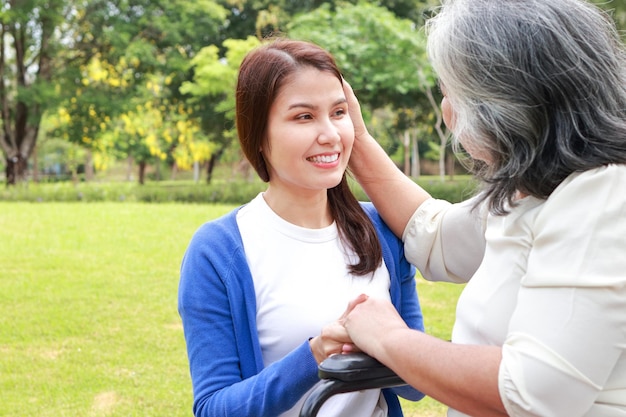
x=306 y=209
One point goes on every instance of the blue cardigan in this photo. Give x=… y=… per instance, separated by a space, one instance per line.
x=217 y=304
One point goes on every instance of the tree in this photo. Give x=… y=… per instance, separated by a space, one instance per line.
x=129 y=58
x=27 y=46
x=95 y=57
x=215 y=77
x=264 y=17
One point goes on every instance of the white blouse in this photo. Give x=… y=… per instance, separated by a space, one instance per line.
x=551 y=290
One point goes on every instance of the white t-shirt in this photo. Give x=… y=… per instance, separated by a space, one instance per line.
x=551 y=290
x=302 y=283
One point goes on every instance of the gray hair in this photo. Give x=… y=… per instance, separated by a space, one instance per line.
x=539 y=84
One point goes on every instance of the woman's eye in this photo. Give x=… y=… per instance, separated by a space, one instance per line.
x=340 y=112
x=304 y=117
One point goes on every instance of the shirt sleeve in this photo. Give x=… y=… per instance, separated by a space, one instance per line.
x=564 y=353
x=445 y=241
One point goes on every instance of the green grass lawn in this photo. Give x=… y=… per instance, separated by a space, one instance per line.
x=88 y=320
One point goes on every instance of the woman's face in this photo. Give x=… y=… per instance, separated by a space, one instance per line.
x=449 y=118
x=309 y=134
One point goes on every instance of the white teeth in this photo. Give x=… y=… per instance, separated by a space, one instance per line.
x=324 y=158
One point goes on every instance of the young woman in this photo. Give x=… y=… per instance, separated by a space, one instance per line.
x=262 y=288
x=535 y=92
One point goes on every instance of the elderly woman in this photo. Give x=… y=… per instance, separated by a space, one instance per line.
x=535 y=93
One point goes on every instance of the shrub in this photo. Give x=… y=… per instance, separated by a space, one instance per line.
x=226 y=192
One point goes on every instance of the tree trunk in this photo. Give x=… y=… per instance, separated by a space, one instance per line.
x=174 y=171
x=443 y=137
x=451 y=167
x=15 y=169
x=21 y=118
x=35 y=165
x=129 y=168
x=74 y=173
x=406 y=143
x=196 y=171
x=89 y=171
x=142 y=172
x=157 y=170
x=18 y=149
x=215 y=156
x=415 y=157
x=209 y=168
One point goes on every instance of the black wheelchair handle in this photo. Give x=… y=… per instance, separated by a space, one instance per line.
x=348 y=373
x=352 y=367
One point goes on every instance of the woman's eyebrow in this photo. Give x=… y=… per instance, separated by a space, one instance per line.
x=313 y=106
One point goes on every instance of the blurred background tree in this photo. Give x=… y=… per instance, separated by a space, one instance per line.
x=149 y=83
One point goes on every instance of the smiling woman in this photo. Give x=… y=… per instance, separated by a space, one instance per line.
x=253 y=282
x=309 y=141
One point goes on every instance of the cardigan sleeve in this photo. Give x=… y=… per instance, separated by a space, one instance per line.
x=226 y=370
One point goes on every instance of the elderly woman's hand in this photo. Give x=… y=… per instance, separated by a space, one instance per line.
x=334 y=338
x=370 y=321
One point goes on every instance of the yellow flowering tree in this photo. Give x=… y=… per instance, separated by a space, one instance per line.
x=121 y=99
x=212 y=91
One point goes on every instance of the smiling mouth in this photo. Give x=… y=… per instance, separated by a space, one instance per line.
x=325 y=159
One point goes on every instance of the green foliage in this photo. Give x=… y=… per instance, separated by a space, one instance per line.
x=95 y=60
x=29 y=46
x=216 y=76
x=130 y=66
x=239 y=192
x=264 y=17
x=224 y=192
x=382 y=56
x=459 y=189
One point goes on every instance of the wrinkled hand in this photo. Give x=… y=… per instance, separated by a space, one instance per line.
x=370 y=321
x=334 y=338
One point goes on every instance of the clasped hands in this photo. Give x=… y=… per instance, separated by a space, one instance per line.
x=363 y=324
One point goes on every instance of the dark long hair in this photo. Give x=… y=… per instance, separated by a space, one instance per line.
x=261 y=76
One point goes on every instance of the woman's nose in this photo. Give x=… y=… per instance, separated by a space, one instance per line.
x=328 y=132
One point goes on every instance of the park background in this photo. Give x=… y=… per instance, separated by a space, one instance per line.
x=118 y=141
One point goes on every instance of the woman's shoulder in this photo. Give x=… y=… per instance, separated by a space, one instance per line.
x=595 y=192
x=220 y=231
x=608 y=178
x=372 y=213
x=224 y=222
x=378 y=222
